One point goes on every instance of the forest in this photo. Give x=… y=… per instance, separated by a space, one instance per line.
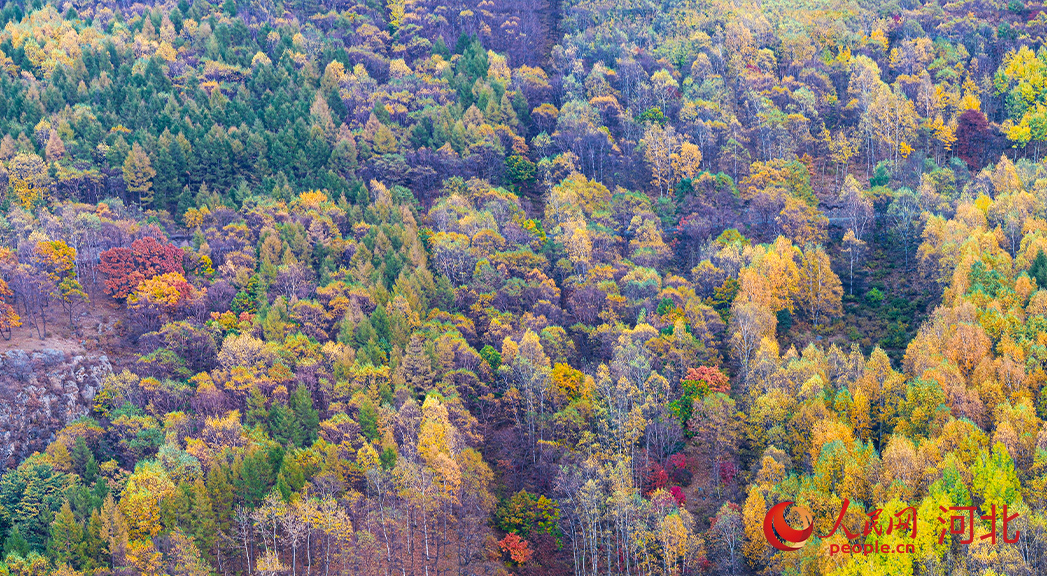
x=528 y=287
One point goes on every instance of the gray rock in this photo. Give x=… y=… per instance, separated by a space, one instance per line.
x=40 y=394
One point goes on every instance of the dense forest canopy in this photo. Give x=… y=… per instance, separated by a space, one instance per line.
x=526 y=286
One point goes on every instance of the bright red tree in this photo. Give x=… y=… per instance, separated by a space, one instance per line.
x=713 y=377
x=126 y=268
x=517 y=548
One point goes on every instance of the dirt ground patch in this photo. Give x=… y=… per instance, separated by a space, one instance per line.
x=97 y=328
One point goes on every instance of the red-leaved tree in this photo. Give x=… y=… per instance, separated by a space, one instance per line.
x=714 y=378
x=126 y=268
x=518 y=549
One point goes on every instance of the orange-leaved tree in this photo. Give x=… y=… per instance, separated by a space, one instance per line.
x=159 y=299
x=57 y=261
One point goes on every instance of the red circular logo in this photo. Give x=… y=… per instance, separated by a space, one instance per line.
x=782 y=536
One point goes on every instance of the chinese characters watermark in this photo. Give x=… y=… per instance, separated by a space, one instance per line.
x=953 y=521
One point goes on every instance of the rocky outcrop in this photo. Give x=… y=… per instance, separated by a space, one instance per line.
x=40 y=392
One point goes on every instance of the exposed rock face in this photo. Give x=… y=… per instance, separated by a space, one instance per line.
x=40 y=392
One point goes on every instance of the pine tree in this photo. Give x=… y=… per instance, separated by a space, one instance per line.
x=203 y=523
x=114 y=531
x=415 y=369
x=276 y=320
x=186 y=200
x=94 y=543
x=1038 y=269
x=80 y=455
x=253 y=476
x=138 y=175
x=16 y=543
x=177 y=508
x=283 y=426
x=256 y=413
x=167 y=184
x=67 y=539
x=308 y=418
x=91 y=471
x=343 y=158
x=367 y=417
x=220 y=498
x=178 y=153
x=247 y=299
x=55 y=148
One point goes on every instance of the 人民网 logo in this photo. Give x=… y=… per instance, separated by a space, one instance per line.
x=783 y=536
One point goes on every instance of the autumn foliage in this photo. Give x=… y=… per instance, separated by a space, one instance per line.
x=125 y=268
x=521 y=287
x=8 y=317
x=516 y=548
x=713 y=378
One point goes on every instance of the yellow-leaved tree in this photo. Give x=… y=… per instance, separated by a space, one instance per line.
x=138 y=175
x=819 y=291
